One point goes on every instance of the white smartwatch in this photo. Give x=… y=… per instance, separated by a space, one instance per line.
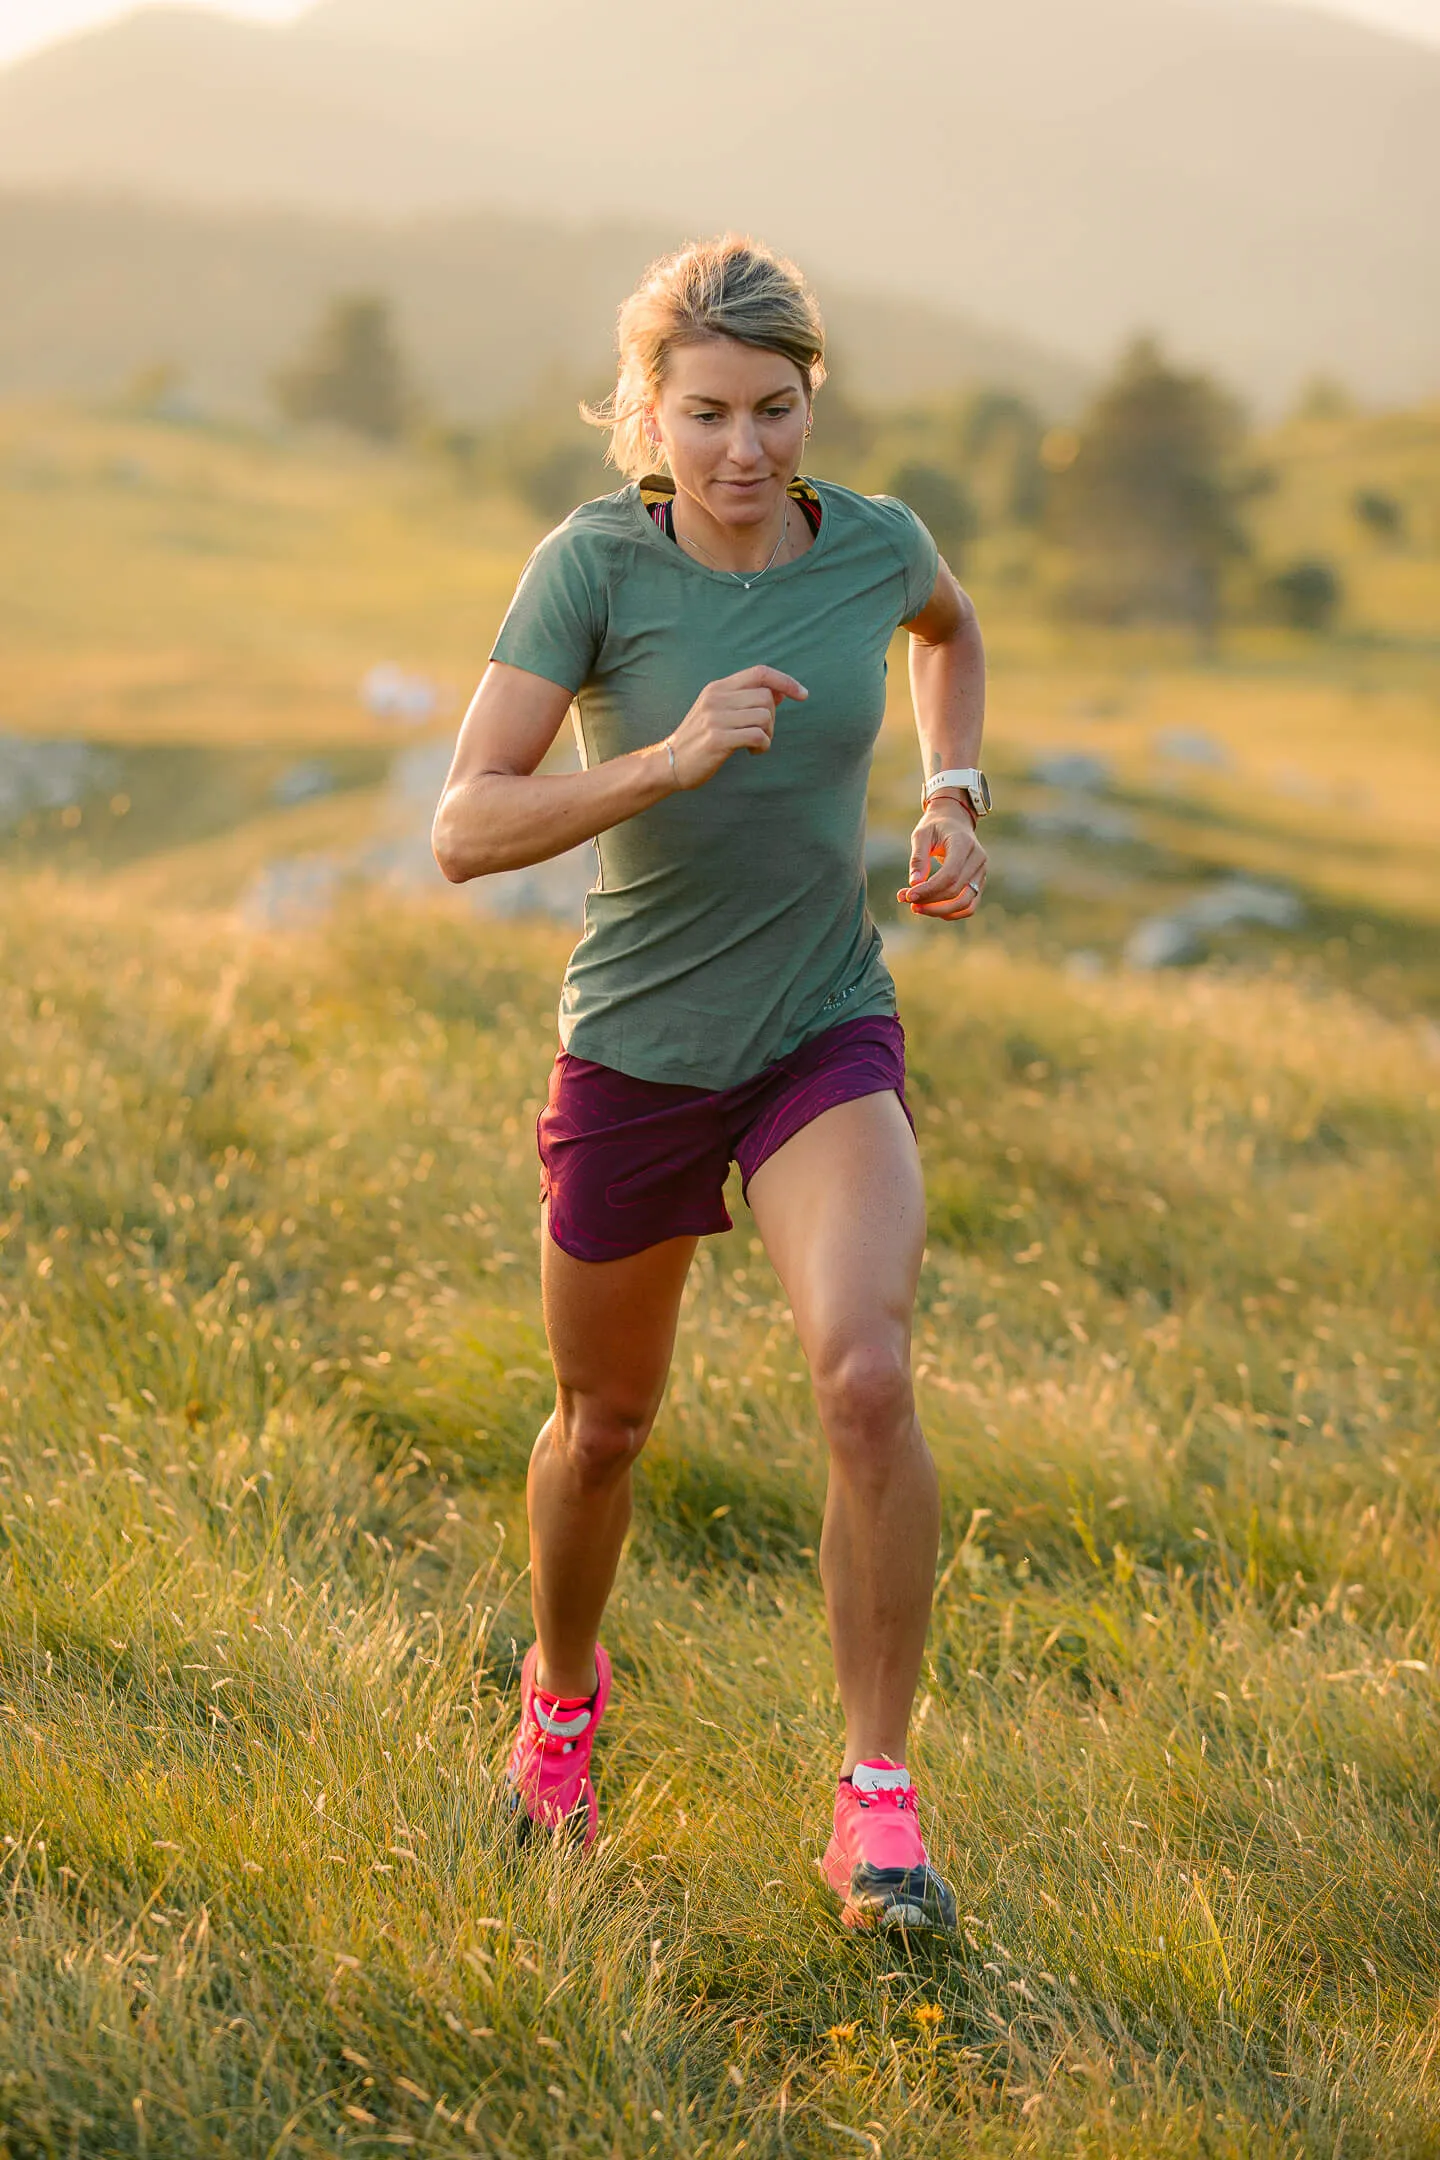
x=970 y=782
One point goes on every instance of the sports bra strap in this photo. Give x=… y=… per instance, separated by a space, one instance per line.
x=657 y=493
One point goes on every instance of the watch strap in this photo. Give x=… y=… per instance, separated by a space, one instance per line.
x=968 y=779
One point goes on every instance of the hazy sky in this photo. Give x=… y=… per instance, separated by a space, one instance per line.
x=27 y=23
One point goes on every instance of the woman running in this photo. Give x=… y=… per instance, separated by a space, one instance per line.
x=722 y=632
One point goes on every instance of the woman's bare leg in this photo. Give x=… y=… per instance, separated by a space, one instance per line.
x=611 y=1329
x=841 y=1208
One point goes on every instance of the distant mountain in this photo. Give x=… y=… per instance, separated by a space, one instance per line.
x=492 y=307
x=1258 y=183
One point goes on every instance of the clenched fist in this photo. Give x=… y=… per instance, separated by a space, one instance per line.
x=735 y=713
x=947 y=864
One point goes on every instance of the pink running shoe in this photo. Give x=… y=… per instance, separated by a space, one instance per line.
x=549 y=1769
x=876 y=1863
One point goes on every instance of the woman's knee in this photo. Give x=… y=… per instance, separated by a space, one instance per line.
x=866 y=1399
x=598 y=1436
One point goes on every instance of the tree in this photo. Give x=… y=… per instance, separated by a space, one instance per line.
x=845 y=433
x=351 y=373
x=1381 y=513
x=550 y=477
x=1307 y=594
x=941 y=502
x=1324 y=401
x=1149 y=501
x=1002 y=439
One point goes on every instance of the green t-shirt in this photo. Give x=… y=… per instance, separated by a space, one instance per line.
x=728 y=923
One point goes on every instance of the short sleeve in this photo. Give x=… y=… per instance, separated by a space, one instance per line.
x=919 y=556
x=555 y=624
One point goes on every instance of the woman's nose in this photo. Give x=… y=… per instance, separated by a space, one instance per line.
x=744 y=443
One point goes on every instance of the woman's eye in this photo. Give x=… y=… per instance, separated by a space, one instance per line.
x=778 y=412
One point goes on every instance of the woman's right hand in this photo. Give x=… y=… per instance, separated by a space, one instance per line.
x=735 y=713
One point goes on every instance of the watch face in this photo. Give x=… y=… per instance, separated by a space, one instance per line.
x=984 y=789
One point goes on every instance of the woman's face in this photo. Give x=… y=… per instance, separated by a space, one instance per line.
x=731 y=419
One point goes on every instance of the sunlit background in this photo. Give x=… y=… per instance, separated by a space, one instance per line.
x=1134 y=301
x=294 y=320
x=25 y=24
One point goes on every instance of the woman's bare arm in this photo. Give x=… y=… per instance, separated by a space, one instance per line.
x=498 y=813
x=947 y=689
x=947 y=676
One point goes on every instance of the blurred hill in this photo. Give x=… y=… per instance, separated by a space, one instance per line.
x=489 y=305
x=1259 y=184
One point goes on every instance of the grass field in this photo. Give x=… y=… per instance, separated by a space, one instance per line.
x=271 y=1364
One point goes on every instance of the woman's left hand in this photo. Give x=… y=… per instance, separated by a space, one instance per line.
x=947 y=865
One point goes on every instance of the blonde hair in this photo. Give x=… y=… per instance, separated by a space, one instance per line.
x=732 y=287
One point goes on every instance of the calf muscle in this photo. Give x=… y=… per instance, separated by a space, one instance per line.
x=841 y=1210
x=611 y=1330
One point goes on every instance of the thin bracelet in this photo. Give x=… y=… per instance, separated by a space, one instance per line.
x=961 y=797
x=670 y=753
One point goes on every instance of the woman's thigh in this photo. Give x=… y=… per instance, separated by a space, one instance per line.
x=841 y=1210
x=611 y=1323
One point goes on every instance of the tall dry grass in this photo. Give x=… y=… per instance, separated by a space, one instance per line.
x=270 y=1364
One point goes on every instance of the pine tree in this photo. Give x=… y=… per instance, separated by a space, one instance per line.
x=1150 y=502
x=351 y=373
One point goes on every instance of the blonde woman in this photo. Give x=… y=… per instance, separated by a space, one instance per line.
x=720 y=626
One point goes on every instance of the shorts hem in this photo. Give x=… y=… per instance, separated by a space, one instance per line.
x=575 y=1242
x=786 y=1130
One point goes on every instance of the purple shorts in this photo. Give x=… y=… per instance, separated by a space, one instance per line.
x=626 y=1163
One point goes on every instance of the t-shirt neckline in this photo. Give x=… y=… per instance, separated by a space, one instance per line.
x=732 y=577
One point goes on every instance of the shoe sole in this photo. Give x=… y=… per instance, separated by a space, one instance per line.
x=916 y=1899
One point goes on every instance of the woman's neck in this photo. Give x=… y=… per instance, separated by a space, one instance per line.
x=745 y=550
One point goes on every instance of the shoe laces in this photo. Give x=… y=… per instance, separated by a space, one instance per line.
x=559 y=1731
x=895 y=1798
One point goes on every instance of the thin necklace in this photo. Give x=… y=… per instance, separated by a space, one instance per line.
x=739 y=575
